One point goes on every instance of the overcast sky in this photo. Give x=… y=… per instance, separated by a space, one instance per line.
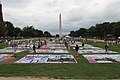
x=43 y=14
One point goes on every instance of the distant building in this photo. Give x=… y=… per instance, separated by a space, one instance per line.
x=1 y=14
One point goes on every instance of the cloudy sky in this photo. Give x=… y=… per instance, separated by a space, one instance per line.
x=43 y=14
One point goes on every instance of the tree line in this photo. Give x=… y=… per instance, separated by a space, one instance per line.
x=8 y=29
x=99 y=30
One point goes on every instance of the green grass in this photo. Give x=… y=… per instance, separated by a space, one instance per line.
x=20 y=55
x=82 y=70
x=101 y=45
x=3 y=45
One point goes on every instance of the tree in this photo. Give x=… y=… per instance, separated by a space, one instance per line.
x=17 y=32
x=99 y=30
x=81 y=32
x=72 y=33
x=9 y=29
x=28 y=31
x=2 y=29
x=91 y=31
x=116 y=31
x=39 y=33
x=47 y=34
x=57 y=35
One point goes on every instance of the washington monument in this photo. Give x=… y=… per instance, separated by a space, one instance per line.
x=60 y=25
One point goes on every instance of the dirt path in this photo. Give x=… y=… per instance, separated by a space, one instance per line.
x=42 y=78
x=96 y=40
x=8 y=61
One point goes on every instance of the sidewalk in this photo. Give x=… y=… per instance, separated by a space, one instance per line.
x=96 y=40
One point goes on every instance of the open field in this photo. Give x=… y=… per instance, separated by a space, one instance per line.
x=82 y=70
x=101 y=45
x=3 y=45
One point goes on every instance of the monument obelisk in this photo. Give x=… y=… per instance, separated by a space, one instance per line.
x=1 y=14
x=60 y=25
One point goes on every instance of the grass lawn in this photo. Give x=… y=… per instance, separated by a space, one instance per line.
x=82 y=70
x=101 y=44
x=3 y=45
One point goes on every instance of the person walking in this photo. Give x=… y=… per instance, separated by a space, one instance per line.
x=83 y=44
x=106 y=48
x=34 y=48
x=39 y=45
x=76 y=49
x=66 y=44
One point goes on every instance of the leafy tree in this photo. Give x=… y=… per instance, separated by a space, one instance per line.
x=28 y=31
x=57 y=35
x=91 y=31
x=47 y=34
x=17 y=32
x=39 y=33
x=116 y=31
x=72 y=33
x=81 y=32
x=10 y=30
x=2 y=29
x=99 y=30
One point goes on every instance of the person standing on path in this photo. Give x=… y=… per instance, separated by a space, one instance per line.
x=106 y=48
x=66 y=44
x=83 y=44
x=76 y=49
x=34 y=48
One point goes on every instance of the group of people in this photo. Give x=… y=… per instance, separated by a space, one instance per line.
x=25 y=45
x=77 y=48
x=39 y=45
x=15 y=45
